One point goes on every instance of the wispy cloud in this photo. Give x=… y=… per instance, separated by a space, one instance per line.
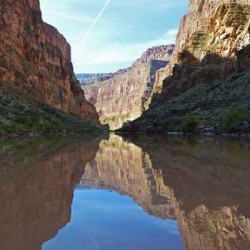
x=68 y=17
x=106 y=35
x=96 y=20
x=116 y=53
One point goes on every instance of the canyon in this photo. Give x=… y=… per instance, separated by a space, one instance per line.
x=209 y=72
x=174 y=178
x=125 y=96
x=205 y=76
x=35 y=64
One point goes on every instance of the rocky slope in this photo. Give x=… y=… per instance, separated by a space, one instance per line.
x=210 y=68
x=35 y=62
x=125 y=96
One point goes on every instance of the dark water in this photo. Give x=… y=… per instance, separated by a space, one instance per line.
x=134 y=193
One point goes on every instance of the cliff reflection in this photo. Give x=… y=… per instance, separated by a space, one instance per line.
x=203 y=183
x=37 y=178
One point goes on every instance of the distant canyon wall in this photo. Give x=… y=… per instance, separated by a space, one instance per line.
x=125 y=96
x=35 y=60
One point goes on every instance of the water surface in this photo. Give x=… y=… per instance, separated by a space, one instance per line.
x=124 y=193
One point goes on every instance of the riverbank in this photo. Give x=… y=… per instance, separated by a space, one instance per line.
x=22 y=118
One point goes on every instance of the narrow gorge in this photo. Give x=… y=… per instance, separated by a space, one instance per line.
x=36 y=69
x=126 y=95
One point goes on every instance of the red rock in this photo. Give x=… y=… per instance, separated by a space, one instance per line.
x=35 y=60
x=126 y=95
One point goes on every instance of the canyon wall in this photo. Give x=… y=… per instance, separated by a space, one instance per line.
x=210 y=26
x=35 y=61
x=125 y=96
x=209 y=72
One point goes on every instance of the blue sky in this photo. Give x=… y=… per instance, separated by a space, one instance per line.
x=106 y=35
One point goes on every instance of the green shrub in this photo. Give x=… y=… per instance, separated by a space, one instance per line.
x=233 y=119
x=191 y=124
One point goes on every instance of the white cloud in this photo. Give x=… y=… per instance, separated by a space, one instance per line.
x=116 y=52
x=107 y=42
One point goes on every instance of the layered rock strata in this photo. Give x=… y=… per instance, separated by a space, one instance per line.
x=124 y=97
x=35 y=60
x=209 y=72
x=210 y=26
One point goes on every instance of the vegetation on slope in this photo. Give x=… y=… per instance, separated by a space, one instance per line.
x=22 y=117
x=222 y=106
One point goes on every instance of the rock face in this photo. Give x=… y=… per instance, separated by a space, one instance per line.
x=209 y=68
x=35 y=60
x=211 y=26
x=125 y=96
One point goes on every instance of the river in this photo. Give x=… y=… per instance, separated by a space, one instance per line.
x=126 y=193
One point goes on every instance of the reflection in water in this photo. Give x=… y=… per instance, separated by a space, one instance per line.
x=209 y=180
x=201 y=183
x=37 y=178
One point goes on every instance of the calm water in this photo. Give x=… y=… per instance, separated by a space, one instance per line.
x=116 y=193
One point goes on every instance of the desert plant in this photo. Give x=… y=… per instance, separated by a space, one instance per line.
x=190 y=124
x=233 y=119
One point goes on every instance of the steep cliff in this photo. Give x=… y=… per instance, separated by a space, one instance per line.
x=125 y=96
x=209 y=71
x=35 y=62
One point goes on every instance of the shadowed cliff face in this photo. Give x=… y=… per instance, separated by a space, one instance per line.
x=37 y=179
x=203 y=183
x=125 y=95
x=209 y=71
x=35 y=60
